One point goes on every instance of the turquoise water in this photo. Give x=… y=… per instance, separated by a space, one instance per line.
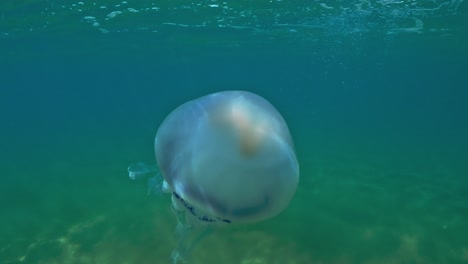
x=374 y=92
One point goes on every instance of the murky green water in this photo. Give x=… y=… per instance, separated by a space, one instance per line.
x=374 y=93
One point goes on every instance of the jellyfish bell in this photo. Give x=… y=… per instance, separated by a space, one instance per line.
x=227 y=157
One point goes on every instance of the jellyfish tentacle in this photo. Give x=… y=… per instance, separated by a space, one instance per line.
x=155 y=185
x=141 y=170
x=188 y=236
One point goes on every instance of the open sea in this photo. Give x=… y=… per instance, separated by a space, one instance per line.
x=375 y=94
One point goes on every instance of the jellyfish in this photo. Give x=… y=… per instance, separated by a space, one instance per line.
x=224 y=158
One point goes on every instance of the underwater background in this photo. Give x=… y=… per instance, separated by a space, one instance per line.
x=375 y=94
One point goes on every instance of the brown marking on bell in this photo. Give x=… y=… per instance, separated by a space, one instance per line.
x=249 y=140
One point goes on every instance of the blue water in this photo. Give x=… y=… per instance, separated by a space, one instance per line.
x=375 y=95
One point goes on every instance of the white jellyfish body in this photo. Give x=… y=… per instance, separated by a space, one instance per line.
x=228 y=157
